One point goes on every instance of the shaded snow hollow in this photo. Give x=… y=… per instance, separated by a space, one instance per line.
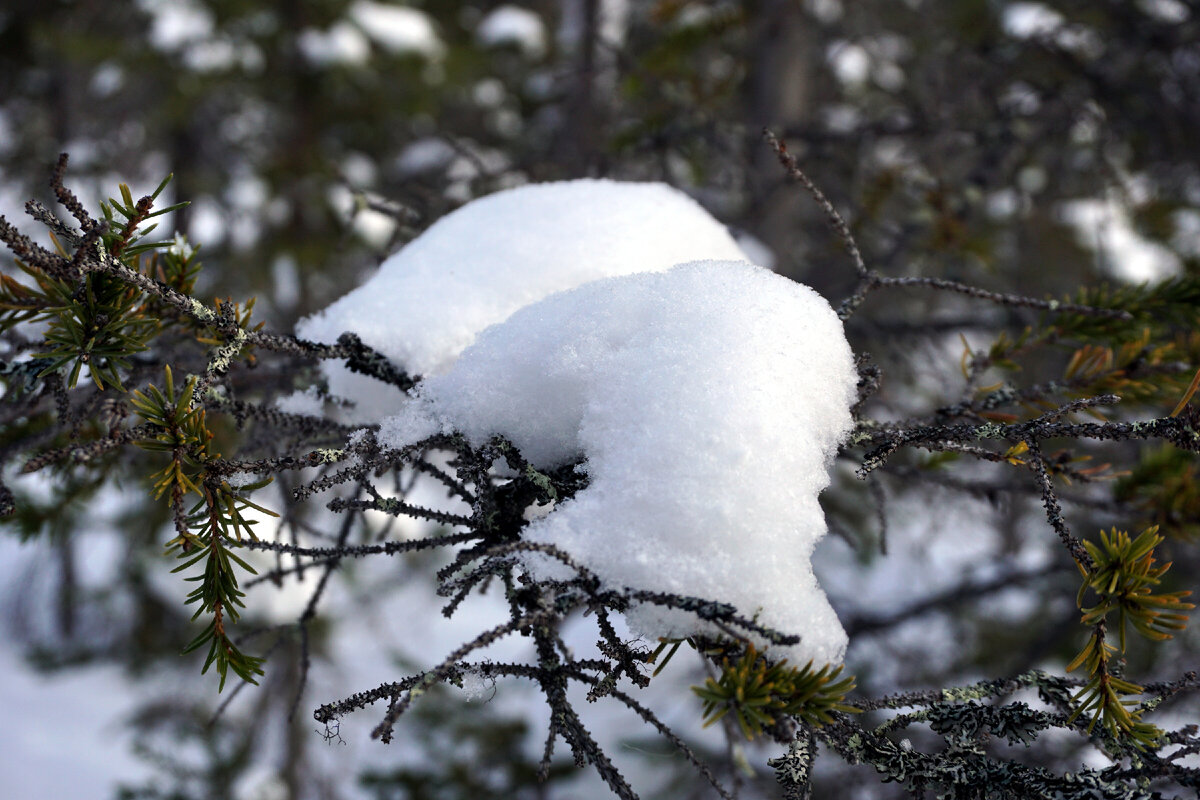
x=479 y=264
x=705 y=402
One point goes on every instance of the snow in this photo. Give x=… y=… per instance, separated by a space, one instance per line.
x=512 y=25
x=1169 y=11
x=373 y=227
x=223 y=53
x=178 y=23
x=398 y=29
x=1029 y=20
x=307 y=402
x=705 y=402
x=825 y=11
x=424 y=155
x=285 y=282
x=757 y=251
x=488 y=93
x=618 y=326
x=341 y=45
x=1105 y=226
x=1186 y=236
x=107 y=80
x=479 y=264
x=1040 y=21
x=850 y=62
x=78 y=712
x=404 y=428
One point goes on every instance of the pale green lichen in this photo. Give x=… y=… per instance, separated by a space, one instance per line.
x=542 y=481
x=202 y=312
x=854 y=748
x=328 y=455
x=858 y=437
x=989 y=430
x=961 y=694
x=225 y=354
x=388 y=505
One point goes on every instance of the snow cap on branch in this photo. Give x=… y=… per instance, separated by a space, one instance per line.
x=706 y=404
x=479 y=264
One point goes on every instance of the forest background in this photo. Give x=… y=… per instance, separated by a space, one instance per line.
x=1028 y=148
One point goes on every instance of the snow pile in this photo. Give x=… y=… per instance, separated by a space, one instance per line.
x=512 y=25
x=706 y=403
x=476 y=266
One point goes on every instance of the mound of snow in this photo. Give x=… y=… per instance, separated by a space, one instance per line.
x=479 y=264
x=706 y=403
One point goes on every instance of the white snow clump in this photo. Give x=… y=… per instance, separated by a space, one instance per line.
x=479 y=264
x=618 y=326
x=705 y=404
x=509 y=24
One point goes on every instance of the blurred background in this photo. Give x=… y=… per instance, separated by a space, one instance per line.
x=1030 y=147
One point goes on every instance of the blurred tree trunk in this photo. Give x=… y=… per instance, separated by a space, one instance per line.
x=782 y=54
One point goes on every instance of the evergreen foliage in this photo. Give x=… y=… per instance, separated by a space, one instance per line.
x=1122 y=575
x=760 y=693
x=1075 y=415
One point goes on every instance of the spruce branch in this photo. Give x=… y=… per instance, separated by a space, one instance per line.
x=1121 y=572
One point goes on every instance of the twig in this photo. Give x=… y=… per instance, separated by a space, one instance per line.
x=1053 y=510
x=869 y=280
x=835 y=219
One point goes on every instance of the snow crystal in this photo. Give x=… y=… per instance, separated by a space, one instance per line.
x=475 y=685
x=705 y=404
x=477 y=265
x=516 y=26
x=406 y=428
